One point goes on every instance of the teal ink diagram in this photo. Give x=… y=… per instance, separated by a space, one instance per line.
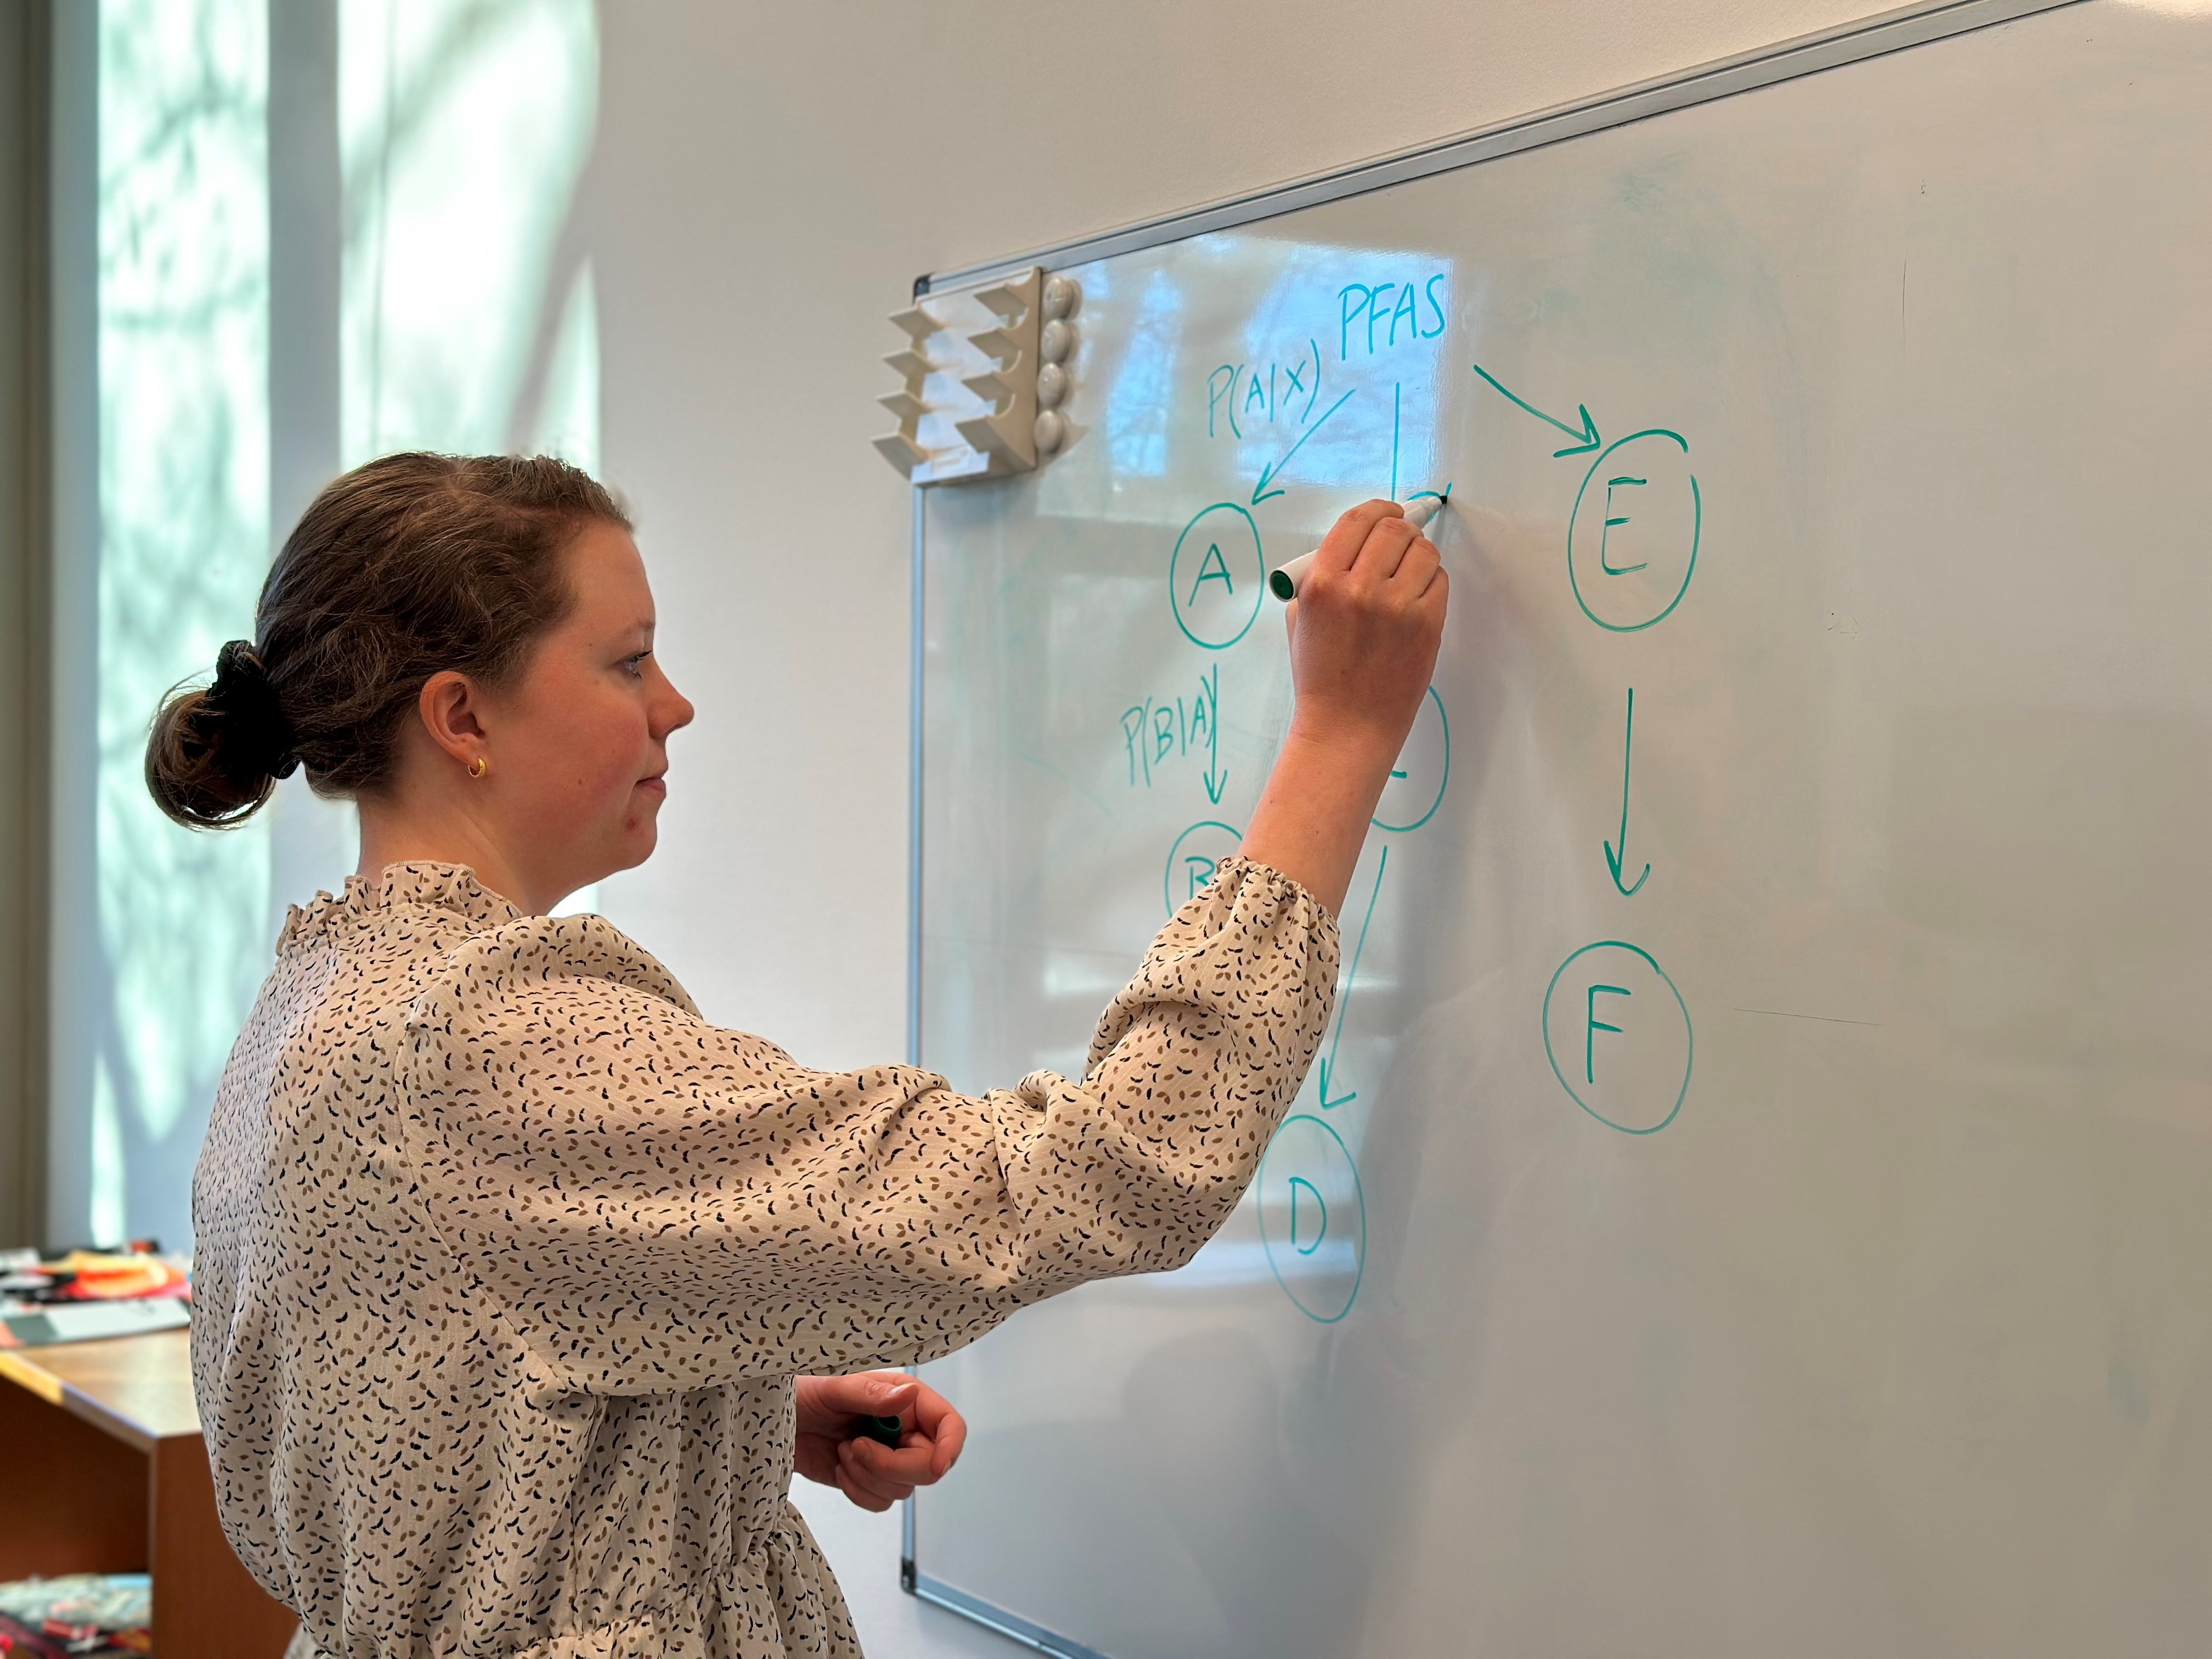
x=1327 y=1064
x=1237 y=394
x=1415 y=788
x=1312 y=1218
x=1585 y=440
x=1633 y=535
x=1217 y=576
x=1384 y=307
x=1618 y=1034
x=1157 y=732
x=1217 y=775
x=1632 y=540
x=1615 y=857
x=1197 y=852
x=1273 y=469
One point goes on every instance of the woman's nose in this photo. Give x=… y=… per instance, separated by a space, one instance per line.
x=672 y=711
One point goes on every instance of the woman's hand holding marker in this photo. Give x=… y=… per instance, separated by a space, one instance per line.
x=1364 y=630
x=844 y=1428
x=1284 y=583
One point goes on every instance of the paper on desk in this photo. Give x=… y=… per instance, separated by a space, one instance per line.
x=88 y=1321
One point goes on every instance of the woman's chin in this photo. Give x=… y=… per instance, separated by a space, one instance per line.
x=644 y=834
x=630 y=840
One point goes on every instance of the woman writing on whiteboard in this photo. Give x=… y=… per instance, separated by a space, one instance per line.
x=519 y=1289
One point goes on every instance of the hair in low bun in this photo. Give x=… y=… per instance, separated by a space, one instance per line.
x=216 y=753
x=408 y=566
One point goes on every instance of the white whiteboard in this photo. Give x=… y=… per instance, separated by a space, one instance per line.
x=1876 y=1318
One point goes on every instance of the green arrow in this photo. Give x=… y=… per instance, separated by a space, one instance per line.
x=1328 y=1064
x=1260 y=490
x=1613 y=860
x=1216 y=779
x=1585 y=441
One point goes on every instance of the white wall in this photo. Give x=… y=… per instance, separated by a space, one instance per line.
x=768 y=183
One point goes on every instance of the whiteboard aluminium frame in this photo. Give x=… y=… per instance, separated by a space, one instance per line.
x=1852 y=43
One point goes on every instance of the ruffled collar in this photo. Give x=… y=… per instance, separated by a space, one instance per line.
x=368 y=901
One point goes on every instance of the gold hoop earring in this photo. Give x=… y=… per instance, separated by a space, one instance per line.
x=478 y=766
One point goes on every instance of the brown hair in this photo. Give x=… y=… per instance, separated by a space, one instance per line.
x=402 y=568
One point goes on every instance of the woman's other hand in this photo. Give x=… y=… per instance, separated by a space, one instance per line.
x=870 y=1473
x=1364 y=631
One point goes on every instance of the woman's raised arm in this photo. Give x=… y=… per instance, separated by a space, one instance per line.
x=1364 y=630
x=659 y=1203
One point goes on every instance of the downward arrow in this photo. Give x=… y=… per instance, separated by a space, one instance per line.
x=1329 y=1104
x=1328 y=1064
x=1613 y=860
x=1260 y=490
x=1586 y=441
x=1214 y=784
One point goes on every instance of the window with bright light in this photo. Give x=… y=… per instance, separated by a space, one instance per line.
x=468 y=323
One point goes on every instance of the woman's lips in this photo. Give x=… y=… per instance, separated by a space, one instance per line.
x=657 y=786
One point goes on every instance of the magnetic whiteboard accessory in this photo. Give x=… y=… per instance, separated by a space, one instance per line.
x=1051 y=429
x=1284 y=583
x=967 y=407
x=1055 y=344
x=884 y=1430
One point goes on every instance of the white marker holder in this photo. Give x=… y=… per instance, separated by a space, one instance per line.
x=973 y=402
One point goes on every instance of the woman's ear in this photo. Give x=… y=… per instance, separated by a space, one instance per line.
x=449 y=705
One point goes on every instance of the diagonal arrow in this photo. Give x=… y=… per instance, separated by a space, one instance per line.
x=1260 y=490
x=1216 y=779
x=1613 y=860
x=1585 y=441
x=1328 y=1064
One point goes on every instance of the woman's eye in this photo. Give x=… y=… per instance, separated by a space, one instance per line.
x=636 y=664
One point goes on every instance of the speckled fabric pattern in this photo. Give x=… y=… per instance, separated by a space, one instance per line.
x=506 y=1259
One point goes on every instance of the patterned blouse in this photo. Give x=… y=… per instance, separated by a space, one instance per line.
x=506 y=1259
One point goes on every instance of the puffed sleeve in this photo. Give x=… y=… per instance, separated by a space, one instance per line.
x=655 y=1203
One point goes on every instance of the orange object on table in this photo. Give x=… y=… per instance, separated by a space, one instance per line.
x=103 y=1276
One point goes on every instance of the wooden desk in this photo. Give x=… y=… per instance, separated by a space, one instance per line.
x=102 y=1469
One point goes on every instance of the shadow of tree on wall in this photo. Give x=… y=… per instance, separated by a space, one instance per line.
x=463 y=125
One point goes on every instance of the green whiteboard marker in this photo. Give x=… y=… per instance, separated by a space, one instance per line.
x=1283 y=584
x=886 y=1430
